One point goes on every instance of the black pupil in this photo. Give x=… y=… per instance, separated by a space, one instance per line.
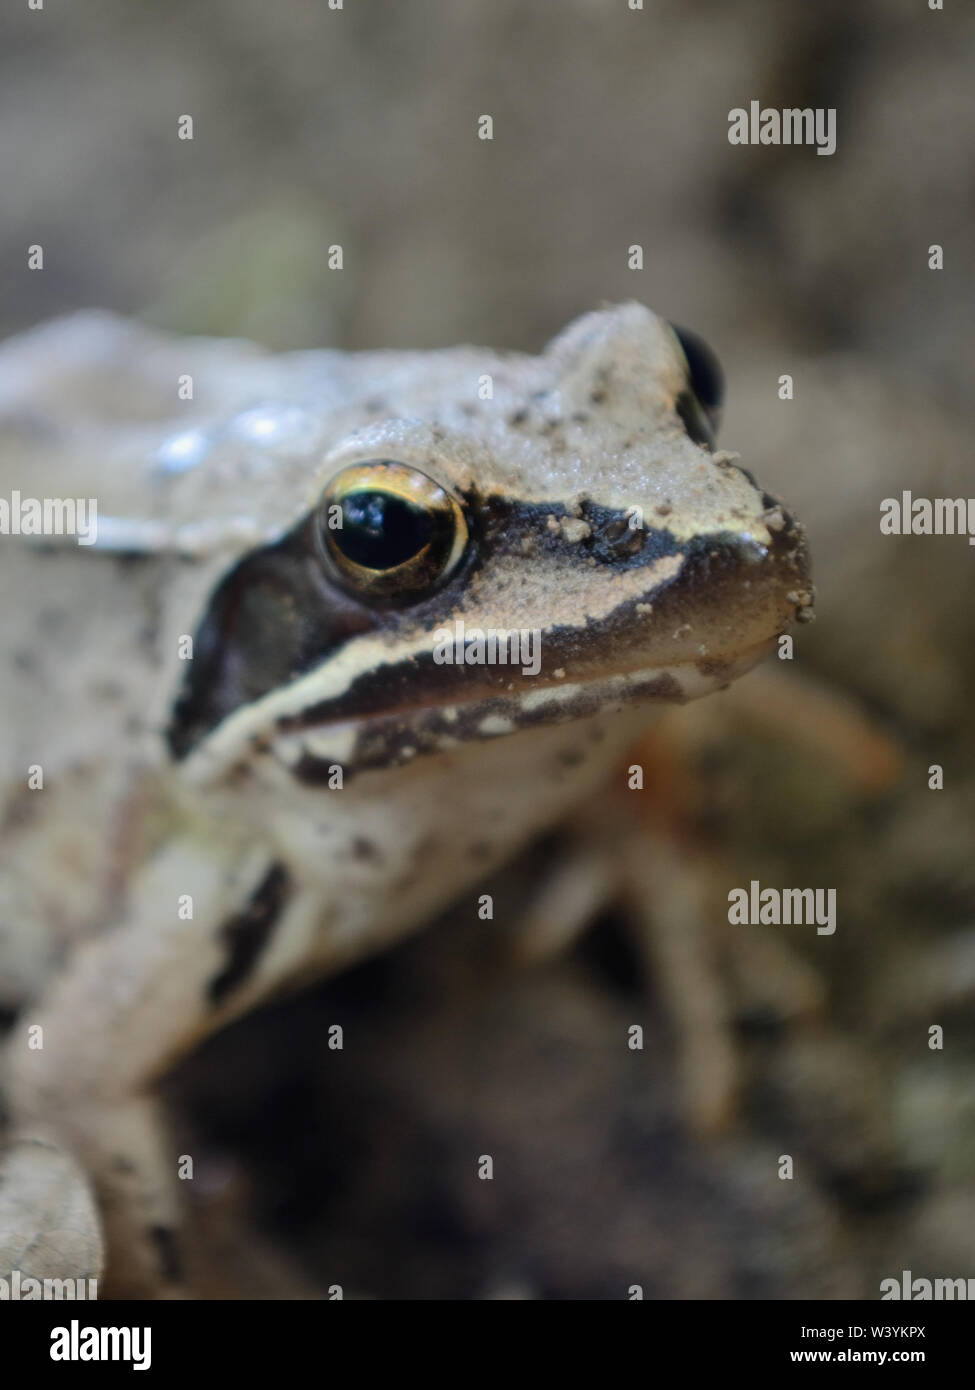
x=380 y=530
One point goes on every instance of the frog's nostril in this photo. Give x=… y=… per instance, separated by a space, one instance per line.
x=618 y=540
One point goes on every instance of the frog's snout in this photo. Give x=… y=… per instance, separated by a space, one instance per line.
x=788 y=557
x=764 y=587
x=735 y=593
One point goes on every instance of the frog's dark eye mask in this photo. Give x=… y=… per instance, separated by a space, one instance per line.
x=699 y=407
x=383 y=537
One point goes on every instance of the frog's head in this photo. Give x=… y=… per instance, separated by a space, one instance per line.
x=508 y=541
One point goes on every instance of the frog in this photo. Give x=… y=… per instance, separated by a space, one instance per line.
x=240 y=754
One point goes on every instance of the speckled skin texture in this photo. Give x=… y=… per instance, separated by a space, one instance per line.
x=171 y=781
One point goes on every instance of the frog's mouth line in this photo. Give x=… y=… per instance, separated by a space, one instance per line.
x=397 y=738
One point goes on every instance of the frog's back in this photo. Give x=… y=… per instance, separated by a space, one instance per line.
x=84 y=673
x=87 y=406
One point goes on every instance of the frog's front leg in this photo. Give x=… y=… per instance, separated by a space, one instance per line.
x=206 y=934
x=669 y=895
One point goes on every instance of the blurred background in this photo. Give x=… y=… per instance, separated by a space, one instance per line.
x=359 y=127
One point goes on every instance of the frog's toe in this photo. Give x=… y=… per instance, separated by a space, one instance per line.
x=49 y=1224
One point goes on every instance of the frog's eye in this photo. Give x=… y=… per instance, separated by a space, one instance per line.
x=389 y=531
x=700 y=408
